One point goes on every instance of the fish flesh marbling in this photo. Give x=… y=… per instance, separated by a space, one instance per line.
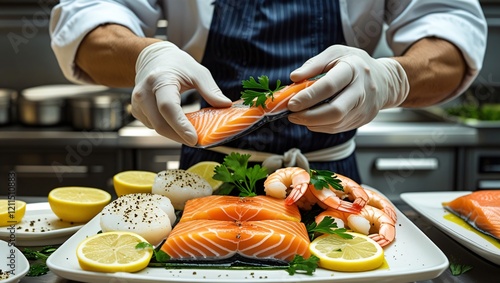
x=219 y=227
x=233 y=208
x=481 y=209
x=219 y=239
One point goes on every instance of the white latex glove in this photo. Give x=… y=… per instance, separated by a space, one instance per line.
x=163 y=72
x=364 y=86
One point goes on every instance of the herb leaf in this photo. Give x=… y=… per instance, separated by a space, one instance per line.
x=327 y=226
x=256 y=93
x=458 y=269
x=299 y=263
x=235 y=170
x=323 y=179
x=224 y=189
x=39 y=267
x=158 y=255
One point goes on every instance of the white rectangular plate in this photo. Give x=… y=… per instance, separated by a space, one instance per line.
x=429 y=205
x=411 y=257
x=39 y=227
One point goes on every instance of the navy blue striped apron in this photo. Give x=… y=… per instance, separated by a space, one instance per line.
x=272 y=38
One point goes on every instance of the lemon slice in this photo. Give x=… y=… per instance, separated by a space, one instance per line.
x=357 y=254
x=206 y=170
x=77 y=204
x=133 y=181
x=11 y=211
x=113 y=252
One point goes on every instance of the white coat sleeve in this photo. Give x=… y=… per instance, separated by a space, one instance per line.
x=460 y=22
x=71 y=20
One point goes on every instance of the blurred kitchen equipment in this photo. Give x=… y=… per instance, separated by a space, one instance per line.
x=42 y=112
x=7 y=101
x=45 y=105
x=468 y=110
x=105 y=111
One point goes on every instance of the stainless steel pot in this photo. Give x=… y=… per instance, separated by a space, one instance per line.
x=48 y=112
x=46 y=105
x=106 y=111
x=7 y=103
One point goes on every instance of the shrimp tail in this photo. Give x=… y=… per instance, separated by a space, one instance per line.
x=359 y=203
x=380 y=239
x=297 y=192
x=341 y=205
x=350 y=207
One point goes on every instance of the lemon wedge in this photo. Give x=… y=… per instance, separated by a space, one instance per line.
x=357 y=254
x=11 y=211
x=77 y=204
x=133 y=181
x=113 y=252
x=206 y=170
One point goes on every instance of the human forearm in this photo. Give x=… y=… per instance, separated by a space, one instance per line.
x=108 y=55
x=435 y=68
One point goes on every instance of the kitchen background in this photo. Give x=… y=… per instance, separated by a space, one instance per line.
x=47 y=147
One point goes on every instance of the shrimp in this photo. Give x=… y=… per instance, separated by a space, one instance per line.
x=379 y=226
x=284 y=180
x=333 y=198
x=306 y=201
x=382 y=203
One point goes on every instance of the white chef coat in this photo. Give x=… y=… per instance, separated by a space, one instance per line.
x=459 y=21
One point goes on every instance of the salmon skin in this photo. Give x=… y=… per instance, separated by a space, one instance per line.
x=216 y=126
x=220 y=239
x=481 y=209
x=233 y=208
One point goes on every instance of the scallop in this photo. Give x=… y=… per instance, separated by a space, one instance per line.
x=180 y=186
x=148 y=215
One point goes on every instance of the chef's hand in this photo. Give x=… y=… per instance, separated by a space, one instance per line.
x=363 y=86
x=163 y=72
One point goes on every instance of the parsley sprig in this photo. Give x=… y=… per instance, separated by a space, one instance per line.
x=39 y=258
x=158 y=255
x=323 y=178
x=326 y=226
x=459 y=269
x=234 y=170
x=256 y=93
x=301 y=265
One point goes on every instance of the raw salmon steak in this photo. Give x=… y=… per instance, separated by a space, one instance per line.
x=218 y=239
x=233 y=208
x=481 y=209
x=215 y=126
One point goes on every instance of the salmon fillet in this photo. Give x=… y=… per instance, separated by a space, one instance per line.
x=481 y=209
x=233 y=208
x=216 y=125
x=218 y=239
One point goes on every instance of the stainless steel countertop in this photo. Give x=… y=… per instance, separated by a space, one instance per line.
x=483 y=271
